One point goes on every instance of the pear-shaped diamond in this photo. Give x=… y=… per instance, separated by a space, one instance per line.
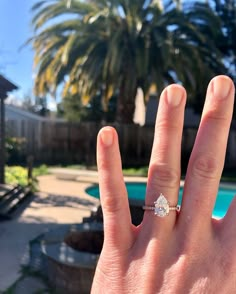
x=162 y=207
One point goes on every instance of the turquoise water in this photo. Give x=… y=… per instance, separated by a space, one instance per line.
x=137 y=191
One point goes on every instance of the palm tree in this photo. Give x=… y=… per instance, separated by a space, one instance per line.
x=116 y=46
x=209 y=26
x=226 y=10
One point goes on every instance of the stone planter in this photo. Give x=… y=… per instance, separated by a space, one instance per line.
x=71 y=261
x=67 y=256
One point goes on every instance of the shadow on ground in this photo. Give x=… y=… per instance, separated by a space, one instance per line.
x=43 y=213
x=57 y=200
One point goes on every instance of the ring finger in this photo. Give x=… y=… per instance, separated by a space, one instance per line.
x=164 y=167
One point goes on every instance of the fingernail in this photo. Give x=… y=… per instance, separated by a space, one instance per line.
x=174 y=95
x=107 y=137
x=221 y=87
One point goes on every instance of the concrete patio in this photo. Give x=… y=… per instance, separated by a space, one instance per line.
x=58 y=202
x=62 y=200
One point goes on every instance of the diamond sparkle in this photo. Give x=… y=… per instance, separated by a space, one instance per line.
x=162 y=206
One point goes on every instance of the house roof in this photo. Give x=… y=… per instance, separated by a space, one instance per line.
x=12 y=111
x=6 y=86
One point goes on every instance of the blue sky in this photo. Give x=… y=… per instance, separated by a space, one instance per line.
x=15 y=29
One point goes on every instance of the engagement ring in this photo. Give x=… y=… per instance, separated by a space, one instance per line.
x=161 y=206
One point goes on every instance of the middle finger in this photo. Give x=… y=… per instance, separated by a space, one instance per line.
x=207 y=158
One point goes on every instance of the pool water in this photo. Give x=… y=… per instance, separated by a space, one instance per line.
x=137 y=191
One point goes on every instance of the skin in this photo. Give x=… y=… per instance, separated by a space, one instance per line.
x=185 y=252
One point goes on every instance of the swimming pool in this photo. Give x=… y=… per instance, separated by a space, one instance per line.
x=136 y=191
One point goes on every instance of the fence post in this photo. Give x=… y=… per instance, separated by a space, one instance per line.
x=30 y=161
x=2 y=140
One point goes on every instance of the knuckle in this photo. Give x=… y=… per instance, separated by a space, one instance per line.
x=167 y=125
x=205 y=167
x=188 y=244
x=111 y=203
x=163 y=176
x=227 y=261
x=217 y=116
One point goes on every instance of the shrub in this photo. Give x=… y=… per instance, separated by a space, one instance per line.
x=17 y=175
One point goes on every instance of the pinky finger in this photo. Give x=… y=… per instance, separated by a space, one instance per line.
x=228 y=236
x=228 y=222
x=114 y=200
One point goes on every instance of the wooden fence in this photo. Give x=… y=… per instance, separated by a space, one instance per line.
x=75 y=143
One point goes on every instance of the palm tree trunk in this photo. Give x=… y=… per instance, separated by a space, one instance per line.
x=125 y=104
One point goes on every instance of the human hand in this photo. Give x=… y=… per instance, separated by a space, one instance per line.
x=185 y=252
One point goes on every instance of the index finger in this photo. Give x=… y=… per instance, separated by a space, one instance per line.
x=113 y=194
